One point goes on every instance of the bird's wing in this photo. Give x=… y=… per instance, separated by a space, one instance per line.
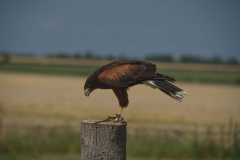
x=126 y=74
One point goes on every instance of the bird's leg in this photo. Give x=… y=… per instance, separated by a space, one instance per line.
x=119 y=112
x=118 y=115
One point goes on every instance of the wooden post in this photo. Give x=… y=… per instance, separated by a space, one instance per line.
x=103 y=140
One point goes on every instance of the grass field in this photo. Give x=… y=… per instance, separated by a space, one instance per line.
x=180 y=75
x=52 y=144
x=57 y=99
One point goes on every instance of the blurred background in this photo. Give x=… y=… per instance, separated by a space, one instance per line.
x=49 y=48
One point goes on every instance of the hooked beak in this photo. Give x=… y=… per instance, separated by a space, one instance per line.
x=87 y=92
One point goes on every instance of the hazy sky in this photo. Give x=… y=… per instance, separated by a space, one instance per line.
x=133 y=27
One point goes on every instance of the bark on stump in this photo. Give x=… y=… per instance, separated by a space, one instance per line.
x=103 y=141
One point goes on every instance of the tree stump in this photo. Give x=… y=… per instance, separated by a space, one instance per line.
x=103 y=140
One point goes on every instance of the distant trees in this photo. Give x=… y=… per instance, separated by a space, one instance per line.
x=160 y=57
x=166 y=57
x=5 y=59
x=86 y=55
x=63 y=55
x=77 y=55
x=187 y=58
x=232 y=60
x=216 y=60
x=110 y=57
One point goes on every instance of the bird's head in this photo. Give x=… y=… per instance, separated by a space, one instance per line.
x=90 y=85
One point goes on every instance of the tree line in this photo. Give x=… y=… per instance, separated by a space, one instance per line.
x=160 y=57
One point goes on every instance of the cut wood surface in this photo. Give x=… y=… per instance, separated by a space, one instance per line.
x=103 y=140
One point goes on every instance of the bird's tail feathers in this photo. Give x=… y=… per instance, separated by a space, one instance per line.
x=168 y=88
x=159 y=76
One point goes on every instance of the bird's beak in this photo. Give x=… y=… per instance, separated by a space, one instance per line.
x=87 y=92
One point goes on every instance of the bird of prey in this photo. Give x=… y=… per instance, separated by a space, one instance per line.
x=120 y=75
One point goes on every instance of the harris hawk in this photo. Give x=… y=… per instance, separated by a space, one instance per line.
x=120 y=75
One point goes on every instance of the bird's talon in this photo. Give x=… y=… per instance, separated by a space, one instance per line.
x=117 y=119
x=124 y=122
x=111 y=118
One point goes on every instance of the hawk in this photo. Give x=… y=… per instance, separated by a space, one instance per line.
x=120 y=75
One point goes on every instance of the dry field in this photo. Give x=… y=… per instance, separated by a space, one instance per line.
x=28 y=99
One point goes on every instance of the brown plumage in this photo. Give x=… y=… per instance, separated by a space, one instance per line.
x=120 y=75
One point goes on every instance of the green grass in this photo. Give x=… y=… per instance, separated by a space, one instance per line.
x=187 y=76
x=43 y=144
x=40 y=157
x=166 y=146
x=51 y=157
